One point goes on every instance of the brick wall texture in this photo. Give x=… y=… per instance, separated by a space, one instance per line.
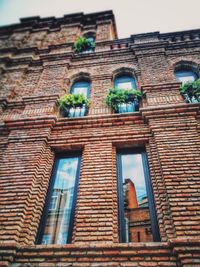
x=37 y=65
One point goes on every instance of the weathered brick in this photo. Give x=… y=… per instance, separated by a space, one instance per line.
x=37 y=66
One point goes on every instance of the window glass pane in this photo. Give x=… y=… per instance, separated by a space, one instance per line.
x=185 y=76
x=91 y=39
x=57 y=224
x=137 y=223
x=46 y=239
x=124 y=85
x=81 y=88
x=125 y=82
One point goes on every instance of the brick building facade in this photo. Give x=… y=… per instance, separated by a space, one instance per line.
x=37 y=64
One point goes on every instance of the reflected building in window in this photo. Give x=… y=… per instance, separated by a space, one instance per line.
x=58 y=219
x=137 y=218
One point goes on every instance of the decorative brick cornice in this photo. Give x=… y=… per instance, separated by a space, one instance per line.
x=4 y=102
x=33 y=23
x=15 y=122
x=165 y=111
x=187 y=251
x=100 y=120
x=39 y=99
x=162 y=94
x=30 y=123
x=160 y=86
x=8 y=251
x=132 y=254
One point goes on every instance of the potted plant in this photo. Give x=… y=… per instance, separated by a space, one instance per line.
x=73 y=105
x=83 y=44
x=191 y=91
x=124 y=100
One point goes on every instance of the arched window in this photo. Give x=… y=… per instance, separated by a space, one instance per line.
x=81 y=87
x=184 y=76
x=125 y=82
x=90 y=36
x=190 y=91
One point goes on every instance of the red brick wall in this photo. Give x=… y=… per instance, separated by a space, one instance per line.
x=25 y=171
x=178 y=147
x=32 y=132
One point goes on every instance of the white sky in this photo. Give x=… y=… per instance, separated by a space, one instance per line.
x=132 y=16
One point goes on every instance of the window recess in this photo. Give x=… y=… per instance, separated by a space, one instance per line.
x=58 y=217
x=137 y=216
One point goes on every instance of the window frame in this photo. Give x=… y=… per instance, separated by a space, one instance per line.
x=121 y=212
x=83 y=82
x=50 y=192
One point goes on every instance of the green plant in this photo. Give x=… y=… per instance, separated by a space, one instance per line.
x=82 y=44
x=118 y=96
x=72 y=101
x=191 y=90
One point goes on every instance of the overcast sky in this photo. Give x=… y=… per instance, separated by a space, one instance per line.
x=132 y=16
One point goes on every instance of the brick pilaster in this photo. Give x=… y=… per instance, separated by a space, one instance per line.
x=96 y=207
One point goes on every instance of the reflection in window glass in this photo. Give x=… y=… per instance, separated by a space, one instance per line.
x=125 y=82
x=136 y=217
x=81 y=88
x=60 y=207
x=124 y=85
x=184 y=76
x=46 y=239
x=53 y=201
x=91 y=38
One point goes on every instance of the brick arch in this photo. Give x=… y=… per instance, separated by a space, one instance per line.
x=80 y=76
x=127 y=70
x=73 y=76
x=124 y=71
x=186 y=65
x=87 y=33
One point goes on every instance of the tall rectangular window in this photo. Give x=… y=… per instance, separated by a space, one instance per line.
x=137 y=216
x=57 y=221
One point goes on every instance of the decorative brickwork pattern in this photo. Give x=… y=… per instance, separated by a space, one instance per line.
x=37 y=66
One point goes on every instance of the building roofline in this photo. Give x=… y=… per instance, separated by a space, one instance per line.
x=167 y=34
x=37 y=23
x=52 y=22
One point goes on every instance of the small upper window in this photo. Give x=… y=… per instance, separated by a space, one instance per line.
x=185 y=76
x=125 y=82
x=81 y=87
x=91 y=38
